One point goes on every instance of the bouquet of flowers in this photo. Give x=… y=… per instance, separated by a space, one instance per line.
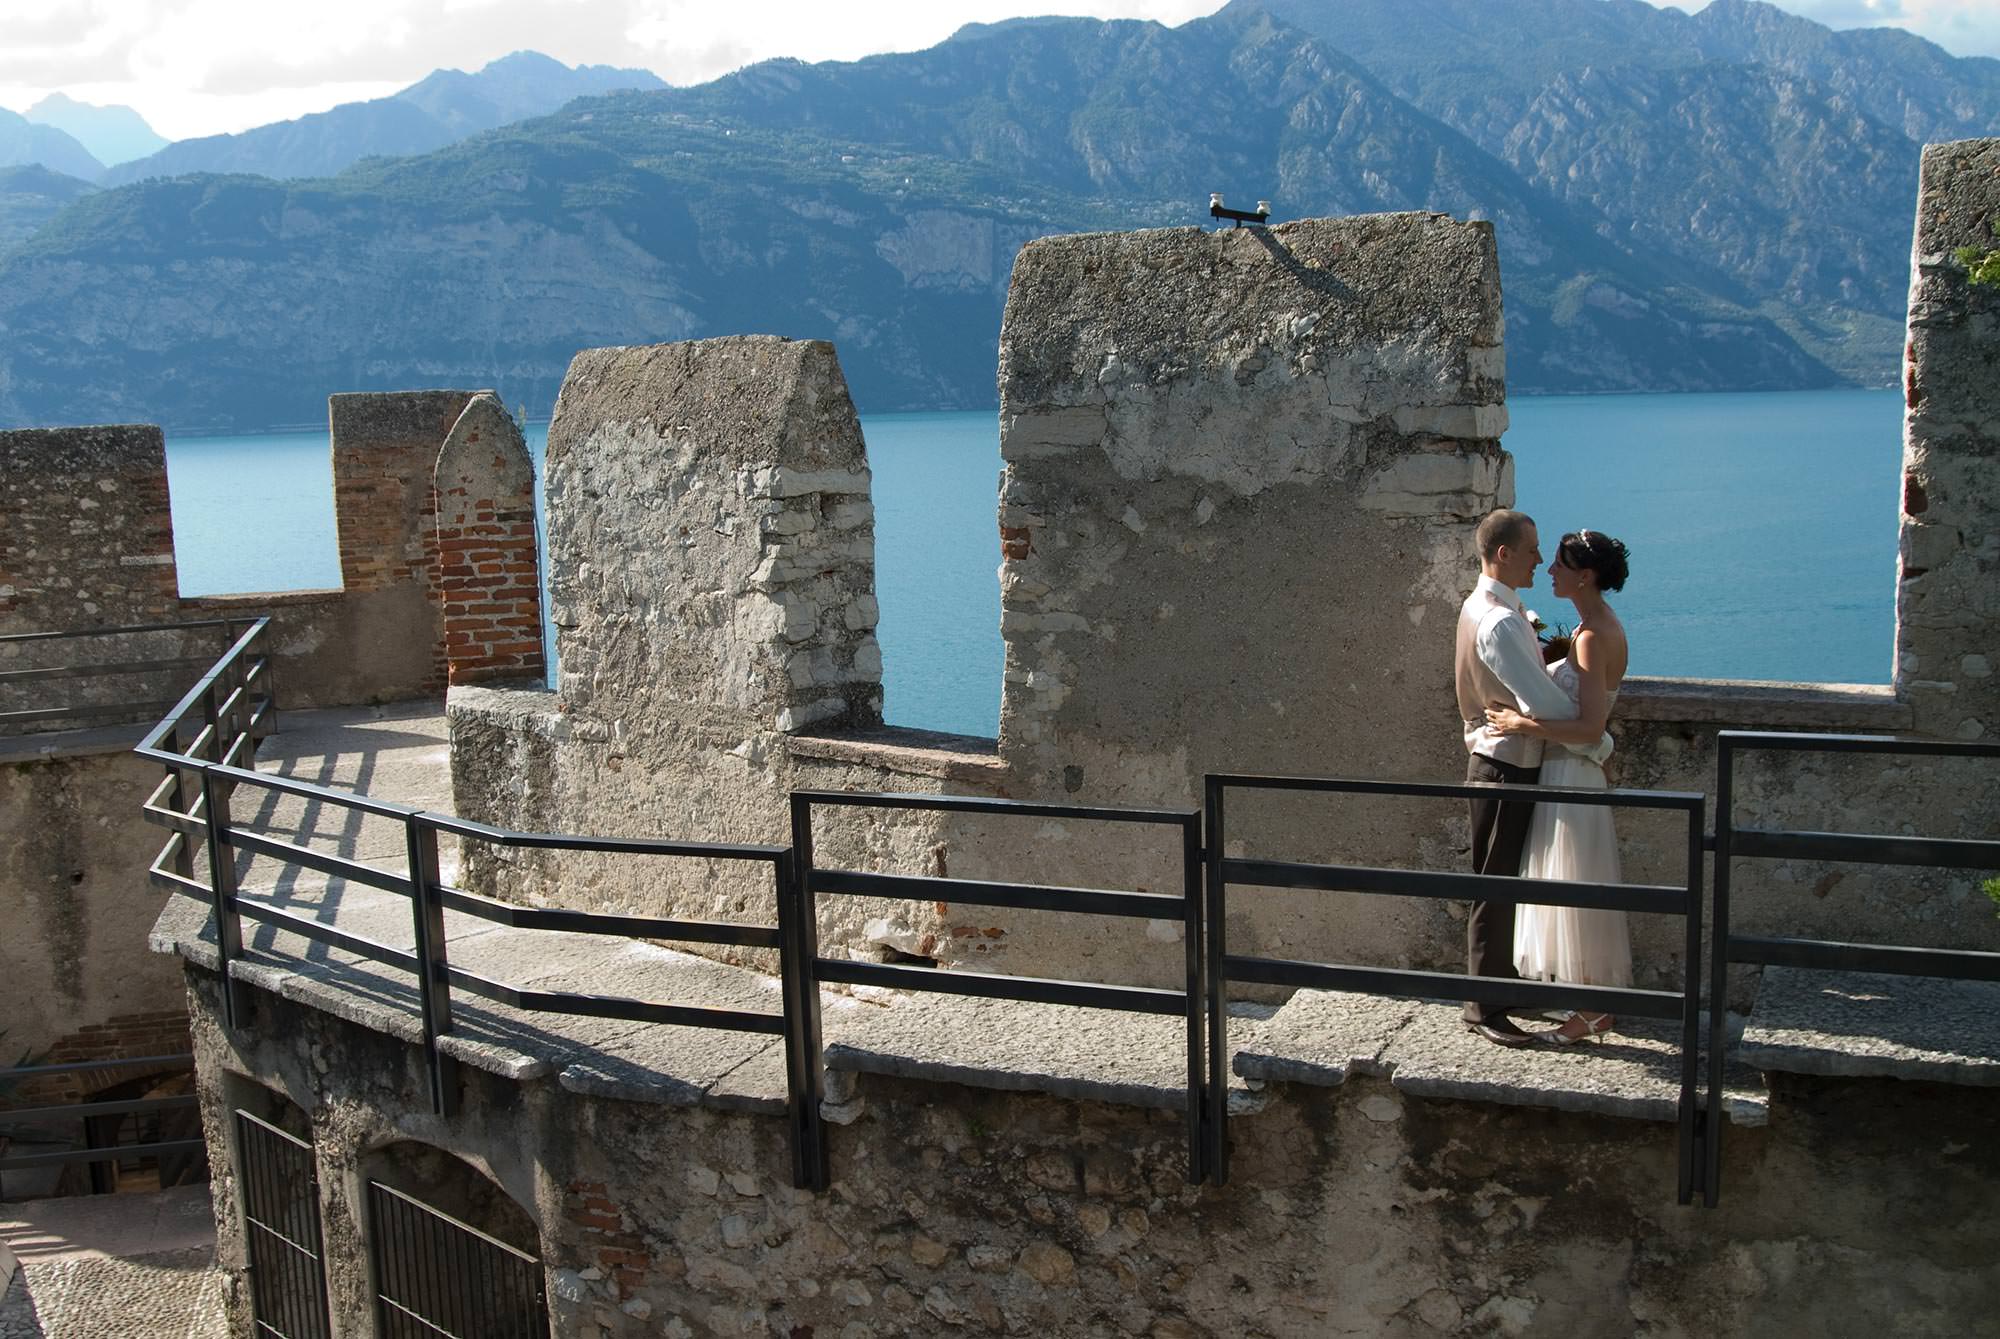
x=1555 y=641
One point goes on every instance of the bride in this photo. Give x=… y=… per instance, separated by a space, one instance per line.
x=1581 y=945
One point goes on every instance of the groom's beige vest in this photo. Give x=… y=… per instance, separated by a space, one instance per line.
x=1478 y=685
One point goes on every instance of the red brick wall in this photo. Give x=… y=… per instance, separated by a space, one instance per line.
x=489 y=579
x=385 y=449
x=127 y=1036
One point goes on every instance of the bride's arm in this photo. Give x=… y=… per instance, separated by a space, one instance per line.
x=1593 y=704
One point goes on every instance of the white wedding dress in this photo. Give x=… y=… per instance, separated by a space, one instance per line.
x=1581 y=945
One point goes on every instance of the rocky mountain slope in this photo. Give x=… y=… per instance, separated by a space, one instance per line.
x=1682 y=220
x=31 y=195
x=23 y=142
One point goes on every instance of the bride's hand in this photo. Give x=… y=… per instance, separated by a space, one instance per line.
x=1505 y=721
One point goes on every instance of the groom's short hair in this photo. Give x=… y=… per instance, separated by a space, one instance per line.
x=1502 y=527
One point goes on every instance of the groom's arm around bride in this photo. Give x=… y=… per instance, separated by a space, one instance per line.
x=1498 y=661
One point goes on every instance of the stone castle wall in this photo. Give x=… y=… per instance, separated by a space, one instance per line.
x=1948 y=577
x=64 y=493
x=1189 y=527
x=956 y=1210
x=76 y=981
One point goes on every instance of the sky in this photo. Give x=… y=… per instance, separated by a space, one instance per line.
x=203 y=67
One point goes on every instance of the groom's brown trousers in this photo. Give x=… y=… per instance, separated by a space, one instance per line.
x=1499 y=830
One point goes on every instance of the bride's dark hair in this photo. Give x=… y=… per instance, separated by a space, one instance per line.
x=1595 y=551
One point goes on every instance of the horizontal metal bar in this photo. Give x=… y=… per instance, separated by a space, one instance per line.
x=79 y=633
x=173 y=882
x=83 y=712
x=558 y=841
x=325 y=934
x=1452 y=986
x=982 y=985
x=1760 y=741
x=1644 y=897
x=82 y=1110
x=1468 y=790
x=1865 y=848
x=203 y=741
x=976 y=892
x=1890 y=959
x=174 y=818
x=339 y=867
x=610 y=1006
x=604 y=923
x=242 y=741
x=21 y=1161
x=172 y=1061
x=974 y=804
x=100 y=671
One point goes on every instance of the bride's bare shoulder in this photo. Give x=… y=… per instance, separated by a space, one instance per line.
x=1603 y=650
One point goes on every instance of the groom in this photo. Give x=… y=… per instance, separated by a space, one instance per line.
x=1499 y=662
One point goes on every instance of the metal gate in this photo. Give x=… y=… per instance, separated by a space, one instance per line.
x=437 y=1276
x=280 y=1186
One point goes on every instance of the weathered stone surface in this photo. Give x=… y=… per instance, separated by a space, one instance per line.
x=1866 y=1024
x=1242 y=470
x=1948 y=586
x=1364 y=1208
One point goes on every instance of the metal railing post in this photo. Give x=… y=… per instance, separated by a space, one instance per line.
x=1693 y=1120
x=1201 y=1078
x=1216 y=986
x=433 y=970
x=1718 y=969
x=222 y=893
x=805 y=1084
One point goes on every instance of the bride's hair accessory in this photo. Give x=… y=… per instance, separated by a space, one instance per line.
x=1595 y=551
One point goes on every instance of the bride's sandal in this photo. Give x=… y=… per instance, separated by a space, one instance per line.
x=1581 y=1027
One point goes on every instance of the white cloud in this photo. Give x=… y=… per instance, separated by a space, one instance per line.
x=196 y=67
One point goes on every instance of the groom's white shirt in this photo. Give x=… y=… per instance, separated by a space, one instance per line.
x=1495 y=630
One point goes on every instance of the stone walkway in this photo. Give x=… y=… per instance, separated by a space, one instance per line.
x=111 y=1267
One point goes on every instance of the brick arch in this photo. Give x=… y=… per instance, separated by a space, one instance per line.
x=489 y=579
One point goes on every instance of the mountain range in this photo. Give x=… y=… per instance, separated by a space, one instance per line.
x=112 y=135
x=443 y=108
x=1706 y=202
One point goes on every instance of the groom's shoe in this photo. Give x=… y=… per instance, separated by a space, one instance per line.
x=1501 y=1031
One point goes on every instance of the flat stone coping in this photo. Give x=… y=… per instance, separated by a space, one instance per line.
x=1323 y=1036
x=97 y=741
x=1092 y=1055
x=1871 y=1025
x=640 y=1062
x=1748 y=704
x=892 y=748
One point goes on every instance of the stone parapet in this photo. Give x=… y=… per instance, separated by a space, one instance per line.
x=983 y=1184
x=1948 y=571
x=88 y=539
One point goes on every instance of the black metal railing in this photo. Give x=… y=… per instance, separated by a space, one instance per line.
x=88 y=1113
x=1734 y=843
x=437 y=1276
x=1694 y=1120
x=26 y=683
x=1184 y=907
x=207 y=745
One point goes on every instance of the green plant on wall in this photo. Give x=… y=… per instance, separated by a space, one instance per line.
x=1992 y=889
x=1982 y=266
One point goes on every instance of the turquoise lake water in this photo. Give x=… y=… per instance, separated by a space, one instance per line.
x=1762 y=530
